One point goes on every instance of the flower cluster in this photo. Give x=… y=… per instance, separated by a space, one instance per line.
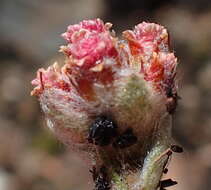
x=113 y=99
x=128 y=79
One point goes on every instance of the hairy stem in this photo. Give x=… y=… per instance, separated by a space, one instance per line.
x=148 y=175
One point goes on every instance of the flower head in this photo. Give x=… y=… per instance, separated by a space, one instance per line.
x=88 y=42
x=109 y=90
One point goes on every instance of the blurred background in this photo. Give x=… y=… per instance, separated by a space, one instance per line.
x=30 y=157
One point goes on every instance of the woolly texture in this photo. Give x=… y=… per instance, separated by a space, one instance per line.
x=129 y=81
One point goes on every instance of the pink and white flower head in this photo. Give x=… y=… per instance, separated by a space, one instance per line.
x=131 y=81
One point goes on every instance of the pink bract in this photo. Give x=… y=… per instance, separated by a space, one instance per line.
x=96 y=56
x=89 y=41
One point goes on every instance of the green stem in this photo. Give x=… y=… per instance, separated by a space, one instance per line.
x=149 y=175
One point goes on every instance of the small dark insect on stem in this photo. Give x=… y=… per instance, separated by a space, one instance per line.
x=165 y=170
x=176 y=148
x=166 y=183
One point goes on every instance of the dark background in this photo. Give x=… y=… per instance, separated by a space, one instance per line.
x=30 y=157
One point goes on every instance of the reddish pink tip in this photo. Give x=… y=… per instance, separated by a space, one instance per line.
x=94 y=55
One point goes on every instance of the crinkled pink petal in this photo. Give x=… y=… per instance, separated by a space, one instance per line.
x=147 y=38
x=162 y=67
x=89 y=41
x=94 y=26
x=149 y=46
x=50 y=78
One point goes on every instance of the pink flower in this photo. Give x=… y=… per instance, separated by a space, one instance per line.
x=149 y=45
x=89 y=41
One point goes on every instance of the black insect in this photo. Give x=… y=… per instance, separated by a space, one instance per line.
x=176 y=148
x=102 y=131
x=101 y=179
x=125 y=140
x=165 y=170
x=166 y=183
